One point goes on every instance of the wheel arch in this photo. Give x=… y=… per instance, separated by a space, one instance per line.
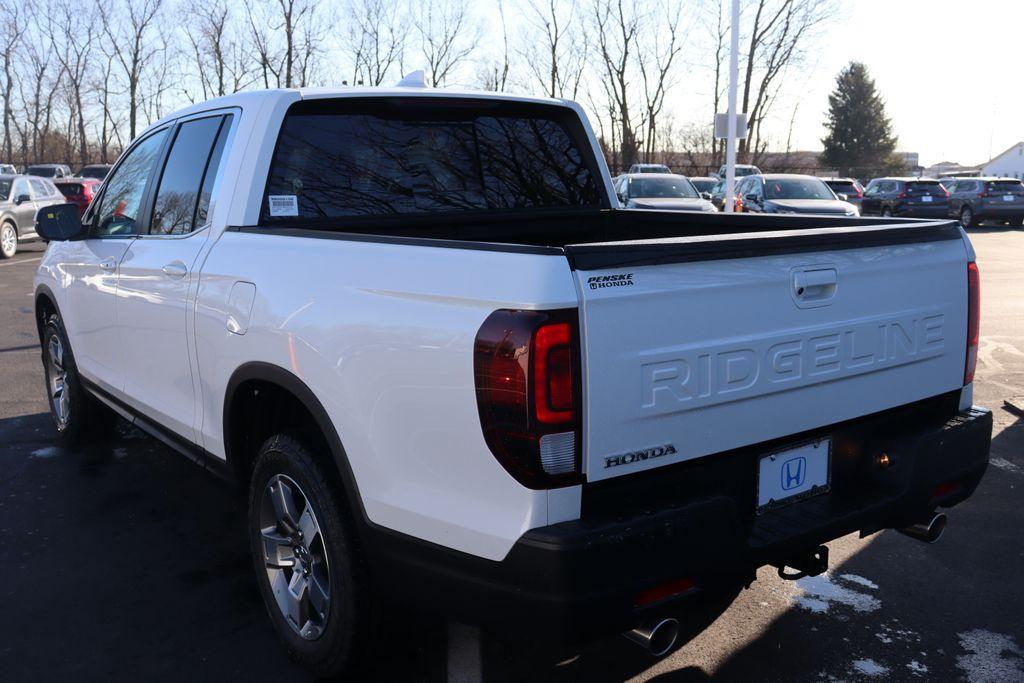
x=246 y=381
x=45 y=303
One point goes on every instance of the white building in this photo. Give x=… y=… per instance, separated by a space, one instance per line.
x=1009 y=164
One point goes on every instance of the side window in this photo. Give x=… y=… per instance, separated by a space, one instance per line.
x=20 y=188
x=182 y=181
x=51 y=189
x=126 y=186
x=39 y=190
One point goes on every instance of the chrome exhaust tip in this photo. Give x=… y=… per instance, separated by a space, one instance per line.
x=928 y=532
x=656 y=636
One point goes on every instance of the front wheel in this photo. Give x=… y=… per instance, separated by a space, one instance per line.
x=8 y=241
x=77 y=415
x=307 y=565
x=886 y=212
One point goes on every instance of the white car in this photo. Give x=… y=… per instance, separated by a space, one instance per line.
x=664 y=191
x=452 y=375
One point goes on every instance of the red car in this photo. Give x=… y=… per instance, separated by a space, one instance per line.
x=78 y=191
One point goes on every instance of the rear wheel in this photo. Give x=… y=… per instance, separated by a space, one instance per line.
x=886 y=212
x=307 y=565
x=77 y=415
x=8 y=240
x=967 y=219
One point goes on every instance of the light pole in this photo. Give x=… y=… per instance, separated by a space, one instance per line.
x=730 y=141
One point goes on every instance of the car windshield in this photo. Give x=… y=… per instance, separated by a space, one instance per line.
x=381 y=156
x=42 y=171
x=662 y=188
x=932 y=187
x=796 y=188
x=5 y=188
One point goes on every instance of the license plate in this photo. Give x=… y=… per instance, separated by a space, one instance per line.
x=926 y=198
x=787 y=476
x=1008 y=197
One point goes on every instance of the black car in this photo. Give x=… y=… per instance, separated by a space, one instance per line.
x=790 y=193
x=97 y=171
x=704 y=184
x=49 y=170
x=972 y=200
x=905 y=197
x=846 y=186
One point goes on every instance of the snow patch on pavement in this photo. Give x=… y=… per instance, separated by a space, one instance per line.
x=820 y=594
x=853 y=578
x=1004 y=464
x=47 y=452
x=917 y=667
x=993 y=658
x=870 y=667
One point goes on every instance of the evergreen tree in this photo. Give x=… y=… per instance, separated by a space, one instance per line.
x=860 y=135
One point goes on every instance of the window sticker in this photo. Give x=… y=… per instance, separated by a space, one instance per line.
x=283 y=205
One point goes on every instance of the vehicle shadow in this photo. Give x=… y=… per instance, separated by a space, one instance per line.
x=122 y=559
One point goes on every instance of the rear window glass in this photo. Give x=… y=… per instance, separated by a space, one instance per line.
x=1005 y=186
x=70 y=189
x=382 y=157
x=918 y=187
x=842 y=186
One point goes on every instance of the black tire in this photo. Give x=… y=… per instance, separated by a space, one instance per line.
x=967 y=218
x=344 y=634
x=886 y=212
x=81 y=417
x=8 y=240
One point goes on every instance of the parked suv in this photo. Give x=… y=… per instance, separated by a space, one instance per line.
x=96 y=171
x=78 y=191
x=905 y=197
x=49 y=170
x=741 y=170
x=789 y=193
x=20 y=198
x=665 y=191
x=853 y=190
x=972 y=200
x=649 y=168
x=451 y=373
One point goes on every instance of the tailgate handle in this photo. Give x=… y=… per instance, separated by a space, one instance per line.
x=815 y=286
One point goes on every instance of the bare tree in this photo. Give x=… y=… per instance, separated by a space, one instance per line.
x=655 y=62
x=129 y=29
x=780 y=34
x=221 y=63
x=287 y=40
x=494 y=72
x=553 y=46
x=12 y=30
x=617 y=30
x=377 y=31
x=448 y=36
x=71 y=36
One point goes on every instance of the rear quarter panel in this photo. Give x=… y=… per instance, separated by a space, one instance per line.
x=383 y=335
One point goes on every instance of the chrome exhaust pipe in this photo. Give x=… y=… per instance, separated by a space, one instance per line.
x=928 y=532
x=656 y=636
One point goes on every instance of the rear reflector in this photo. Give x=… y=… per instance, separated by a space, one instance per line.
x=973 y=320
x=668 y=590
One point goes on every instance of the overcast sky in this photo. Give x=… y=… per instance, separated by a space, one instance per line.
x=950 y=73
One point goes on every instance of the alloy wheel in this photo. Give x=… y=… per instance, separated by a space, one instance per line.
x=295 y=557
x=8 y=240
x=966 y=217
x=57 y=376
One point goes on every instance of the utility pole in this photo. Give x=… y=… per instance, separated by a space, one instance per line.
x=730 y=148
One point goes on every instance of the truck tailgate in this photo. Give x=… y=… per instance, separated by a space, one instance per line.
x=685 y=357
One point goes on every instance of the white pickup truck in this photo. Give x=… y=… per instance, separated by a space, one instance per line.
x=450 y=373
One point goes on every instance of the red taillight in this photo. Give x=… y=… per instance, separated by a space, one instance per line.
x=901 y=195
x=947 y=192
x=860 y=193
x=552 y=373
x=973 y=320
x=982 y=195
x=526 y=367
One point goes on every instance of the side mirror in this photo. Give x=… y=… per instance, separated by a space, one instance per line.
x=705 y=195
x=60 y=223
x=21 y=199
x=843 y=197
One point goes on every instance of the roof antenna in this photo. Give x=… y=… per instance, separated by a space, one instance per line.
x=415 y=79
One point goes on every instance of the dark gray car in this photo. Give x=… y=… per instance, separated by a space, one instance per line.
x=20 y=197
x=49 y=170
x=972 y=200
x=790 y=193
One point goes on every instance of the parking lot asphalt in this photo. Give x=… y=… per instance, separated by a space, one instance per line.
x=123 y=560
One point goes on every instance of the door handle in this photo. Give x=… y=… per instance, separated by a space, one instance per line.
x=108 y=264
x=175 y=269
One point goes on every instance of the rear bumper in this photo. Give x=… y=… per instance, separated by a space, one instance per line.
x=581 y=579
x=996 y=211
x=922 y=211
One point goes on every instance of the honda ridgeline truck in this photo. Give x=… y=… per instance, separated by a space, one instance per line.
x=451 y=373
